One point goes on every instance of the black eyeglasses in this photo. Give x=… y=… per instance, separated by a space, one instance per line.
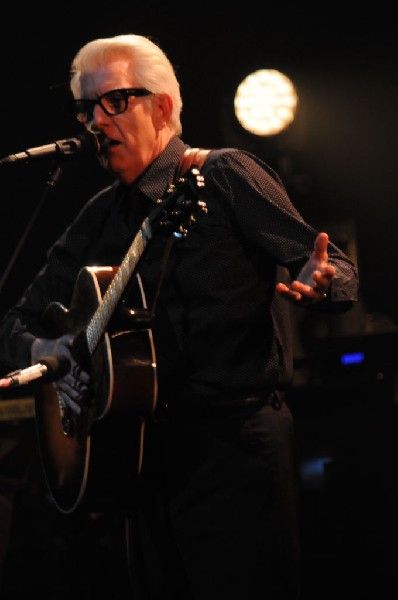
x=112 y=103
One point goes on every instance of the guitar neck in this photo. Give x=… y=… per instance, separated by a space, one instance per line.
x=181 y=201
x=114 y=292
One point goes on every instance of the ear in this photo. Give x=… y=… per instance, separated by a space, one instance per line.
x=162 y=109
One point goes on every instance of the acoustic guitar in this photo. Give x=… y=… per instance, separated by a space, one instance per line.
x=92 y=459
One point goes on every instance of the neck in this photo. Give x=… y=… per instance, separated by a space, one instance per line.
x=145 y=159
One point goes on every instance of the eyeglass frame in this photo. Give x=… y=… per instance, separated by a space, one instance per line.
x=126 y=93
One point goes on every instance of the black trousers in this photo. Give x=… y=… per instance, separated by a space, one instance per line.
x=216 y=515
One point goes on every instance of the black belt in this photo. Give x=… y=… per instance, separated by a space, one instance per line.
x=224 y=407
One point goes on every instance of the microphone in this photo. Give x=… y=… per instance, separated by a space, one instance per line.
x=86 y=144
x=48 y=369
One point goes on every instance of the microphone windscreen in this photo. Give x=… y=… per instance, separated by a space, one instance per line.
x=90 y=142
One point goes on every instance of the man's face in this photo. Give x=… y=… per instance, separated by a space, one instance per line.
x=135 y=137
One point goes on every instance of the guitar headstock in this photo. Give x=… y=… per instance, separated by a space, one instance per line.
x=184 y=203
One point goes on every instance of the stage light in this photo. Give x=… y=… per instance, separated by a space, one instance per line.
x=265 y=102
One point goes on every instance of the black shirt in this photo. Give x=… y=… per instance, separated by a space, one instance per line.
x=220 y=329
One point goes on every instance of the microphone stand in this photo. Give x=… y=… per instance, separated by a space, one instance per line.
x=53 y=178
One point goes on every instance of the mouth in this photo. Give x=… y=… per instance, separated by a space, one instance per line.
x=108 y=143
x=104 y=142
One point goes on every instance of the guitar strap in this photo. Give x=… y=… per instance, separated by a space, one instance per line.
x=191 y=157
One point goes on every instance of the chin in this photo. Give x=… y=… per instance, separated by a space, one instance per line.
x=112 y=165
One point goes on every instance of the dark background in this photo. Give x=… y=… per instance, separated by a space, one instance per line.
x=338 y=160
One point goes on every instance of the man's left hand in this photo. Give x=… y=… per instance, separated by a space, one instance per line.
x=321 y=274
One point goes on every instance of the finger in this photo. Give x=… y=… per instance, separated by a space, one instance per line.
x=281 y=287
x=291 y=295
x=72 y=387
x=324 y=277
x=69 y=393
x=328 y=272
x=85 y=377
x=63 y=346
x=66 y=400
x=79 y=374
x=321 y=247
x=286 y=292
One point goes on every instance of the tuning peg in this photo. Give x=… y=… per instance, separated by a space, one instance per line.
x=203 y=207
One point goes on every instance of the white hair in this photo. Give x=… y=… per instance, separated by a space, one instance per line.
x=150 y=66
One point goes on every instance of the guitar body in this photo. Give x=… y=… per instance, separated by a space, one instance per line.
x=94 y=463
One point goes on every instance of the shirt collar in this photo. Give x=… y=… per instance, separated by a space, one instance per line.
x=161 y=172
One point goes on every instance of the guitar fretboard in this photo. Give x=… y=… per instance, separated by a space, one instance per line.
x=115 y=290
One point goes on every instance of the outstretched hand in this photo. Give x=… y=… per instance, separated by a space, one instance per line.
x=314 y=279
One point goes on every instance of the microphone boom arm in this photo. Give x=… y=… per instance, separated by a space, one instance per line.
x=87 y=143
x=51 y=181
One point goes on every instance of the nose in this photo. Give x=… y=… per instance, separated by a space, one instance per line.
x=99 y=116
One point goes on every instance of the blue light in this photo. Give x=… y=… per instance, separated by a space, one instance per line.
x=312 y=471
x=352 y=358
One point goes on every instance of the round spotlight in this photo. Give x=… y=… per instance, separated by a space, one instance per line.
x=265 y=102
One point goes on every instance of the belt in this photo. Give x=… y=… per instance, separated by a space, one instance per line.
x=216 y=407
